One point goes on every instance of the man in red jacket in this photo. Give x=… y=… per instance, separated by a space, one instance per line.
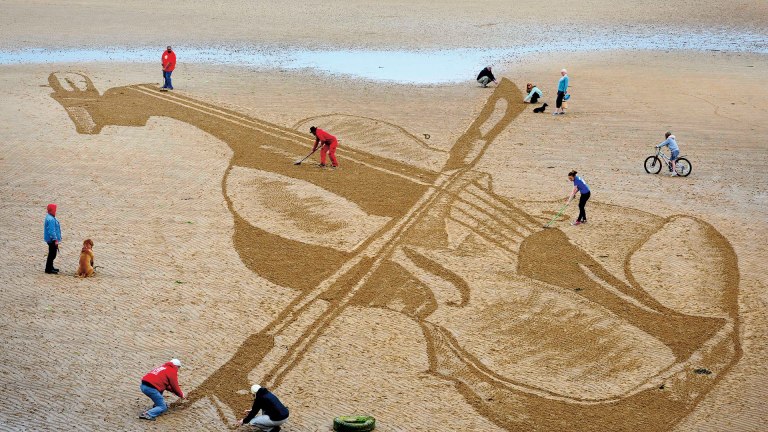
x=158 y=380
x=329 y=143
x=169 y=64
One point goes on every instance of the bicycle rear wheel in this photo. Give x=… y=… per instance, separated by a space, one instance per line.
x=683 y=167
x=652 y=165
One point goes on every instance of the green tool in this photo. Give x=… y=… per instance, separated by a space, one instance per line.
x=559 y=213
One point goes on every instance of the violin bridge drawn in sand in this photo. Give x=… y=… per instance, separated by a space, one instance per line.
x=535 y=331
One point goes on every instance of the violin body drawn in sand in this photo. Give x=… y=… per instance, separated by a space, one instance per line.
x=565 y=336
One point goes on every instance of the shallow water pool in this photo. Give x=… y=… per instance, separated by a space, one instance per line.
x=404 y=66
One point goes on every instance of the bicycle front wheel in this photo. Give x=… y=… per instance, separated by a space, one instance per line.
x=683 y=167
x=652 y=165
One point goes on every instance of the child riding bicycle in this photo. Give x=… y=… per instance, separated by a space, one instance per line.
x=674 y=151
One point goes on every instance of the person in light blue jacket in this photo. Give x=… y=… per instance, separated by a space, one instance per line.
x=674 y=150
x=533 y=93
x=52 y=236
x=562 y=87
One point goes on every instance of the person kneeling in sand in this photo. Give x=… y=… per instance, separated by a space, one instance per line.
x=533 y=93
x=486 y=76
x=273 y=412
x=85 y=267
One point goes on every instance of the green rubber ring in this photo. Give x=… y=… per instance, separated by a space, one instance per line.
x=354 y=423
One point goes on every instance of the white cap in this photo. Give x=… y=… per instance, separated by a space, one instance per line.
x=255 y=388
x=564 y=71
x=176 y=362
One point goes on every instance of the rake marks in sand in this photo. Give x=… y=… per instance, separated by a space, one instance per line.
x=432 y=241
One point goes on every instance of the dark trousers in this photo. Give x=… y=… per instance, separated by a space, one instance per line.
x=167 y=78
x=582 y=202
x=52 y=250
x=560 y=96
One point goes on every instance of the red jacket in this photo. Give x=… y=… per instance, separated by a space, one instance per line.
x=168 y=61
x=165 y=377
x=324 y=137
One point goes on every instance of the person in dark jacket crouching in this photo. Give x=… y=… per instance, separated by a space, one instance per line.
x=486 y=76
x=273 y=412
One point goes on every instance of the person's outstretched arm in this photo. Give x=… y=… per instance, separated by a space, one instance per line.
x=530 y=95
x=573 y=194
x=173 y=378
x=254 y=410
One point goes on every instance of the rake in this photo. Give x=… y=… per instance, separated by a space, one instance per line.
x=559 y=213
x=305 y=157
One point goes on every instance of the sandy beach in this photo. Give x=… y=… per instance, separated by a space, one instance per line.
x=336 y=23
x=414 y=283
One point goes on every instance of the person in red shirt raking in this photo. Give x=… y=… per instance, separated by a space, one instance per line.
x=169 y=64
x=155 y=382
x=329 y=143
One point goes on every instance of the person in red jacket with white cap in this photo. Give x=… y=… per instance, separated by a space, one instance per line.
x=158 y=380
x=329 y=143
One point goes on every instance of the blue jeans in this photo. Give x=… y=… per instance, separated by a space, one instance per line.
x=157 y=397
x=167 y=77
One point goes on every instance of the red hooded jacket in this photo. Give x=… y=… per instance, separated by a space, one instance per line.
x=165 y=377
x=169 y=61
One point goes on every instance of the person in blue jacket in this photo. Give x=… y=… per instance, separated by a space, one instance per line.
x=674 y=151
x=579 y=185
x=562 y=88
x=273 y=412
x=52 y=236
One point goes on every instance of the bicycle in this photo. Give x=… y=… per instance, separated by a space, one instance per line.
x=653 y=164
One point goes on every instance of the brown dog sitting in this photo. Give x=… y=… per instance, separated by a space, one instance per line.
x=85 y=268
